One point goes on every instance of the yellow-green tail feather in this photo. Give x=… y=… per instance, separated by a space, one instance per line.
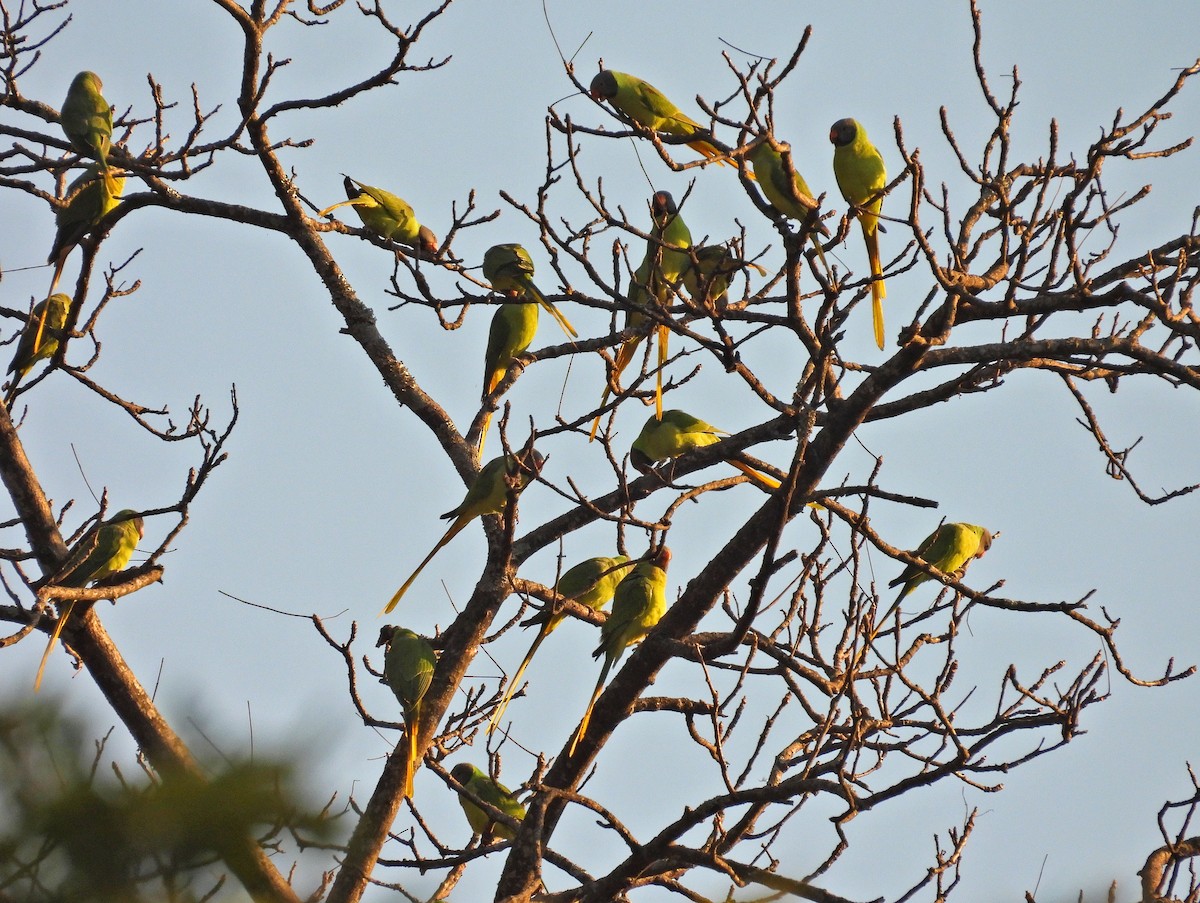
x=62 y=620
x=494 y=721
x=455 y=527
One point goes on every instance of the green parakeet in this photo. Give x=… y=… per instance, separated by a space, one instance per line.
x=861 y=176
x=100 y=553
x=639 y=603
x=791 y=198
x=643 y=103
x=513 y=328
x=949 y=548
x=706 y=279
x=487 y=495
x=89 y=198
x=86 y=120
x=509 y=269
x=660 y=270
x=591 y=583
x=677 y=434
x=386 y=215
x=408 y=663
x=491 y=792
x=52 y=314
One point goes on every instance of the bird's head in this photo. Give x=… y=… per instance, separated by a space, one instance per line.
x=463 y=772
x=662 y=206
x=604 y=86
x=427 y=241
x=640 y=460
x=128 y=514
x=662 y=558
x=843 y=132
x=528 y=463
x=90 y=79
x=985 y=543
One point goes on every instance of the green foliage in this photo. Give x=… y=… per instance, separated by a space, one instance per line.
x=77 y=827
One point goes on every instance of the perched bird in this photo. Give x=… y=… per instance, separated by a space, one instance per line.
x=386 y=215
x=706 y=279
x=487 y=495
x=660 y=270
x=52 y=314
x=90 y=197
x=86 y=120
x=677 y=434
x=591 y=583
x=791 y=198
x=639 y=603
x=100 y=553
x=643 y=103
x=509 y=269
x=408 y=663
x=949 y=548
x=513 y=328
x=861 y=176
x=491 y=792
x=667 y=270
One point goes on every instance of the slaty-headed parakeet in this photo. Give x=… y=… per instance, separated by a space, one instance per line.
x=488 y=495
x=790 y=197
x=666 y=261
x=89 y=198
x=101 y=553
x=513 y=327
x=52 y=315
x=489 y=791
x=643 y=103
x=386 y=215
x=949 y=548
x=677 y=434
x=639 y=603
x=509 y=269
x=86 y=120
x=861 y=176
x=591 y=583
x=408 y=663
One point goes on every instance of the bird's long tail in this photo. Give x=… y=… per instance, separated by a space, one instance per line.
x=878 y=289
x=110 y=180
x=553 y=311
x=756 y=476
x=624 y=357
x=816 y=242
x=37 y=336
x=663 y=334
x=543 y=632
x=11 y=394
x=410 y=736
x=483 y=431
x=455 y=527
x=763 y=481
x=587 y=715
x=62 y=620
x=706 y=149
x=493 y=379
x=596 y=423
x=349 y=202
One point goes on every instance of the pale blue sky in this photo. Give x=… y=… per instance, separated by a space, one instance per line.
x=318 y=508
